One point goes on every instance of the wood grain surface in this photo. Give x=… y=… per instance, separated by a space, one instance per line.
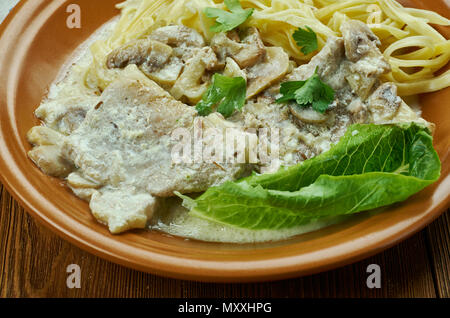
x=33 y=263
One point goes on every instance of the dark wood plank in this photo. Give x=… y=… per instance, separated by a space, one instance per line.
x=438 y=239
x=33 y=263
x=406 y=272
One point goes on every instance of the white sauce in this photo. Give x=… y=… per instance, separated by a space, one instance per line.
x=171 y=217
x=175 y=220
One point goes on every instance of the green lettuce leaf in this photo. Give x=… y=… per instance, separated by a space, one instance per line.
x=372 y=166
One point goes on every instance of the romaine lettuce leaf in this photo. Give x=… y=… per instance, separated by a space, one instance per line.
x=372 y=166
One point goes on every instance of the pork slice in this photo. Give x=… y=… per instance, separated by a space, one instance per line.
x=353 y=60
x=125 y=146
x=352 y=65
x=327 y=63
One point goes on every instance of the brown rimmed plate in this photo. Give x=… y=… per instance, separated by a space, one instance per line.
x=35 y=43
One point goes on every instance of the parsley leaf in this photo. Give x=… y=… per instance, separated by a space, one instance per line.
x=288 y=90
x=228 y=93
x=306 y=39
x=227 y=21
x=311 y=93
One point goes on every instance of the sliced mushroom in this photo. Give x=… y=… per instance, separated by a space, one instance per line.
x=308 y=115
x=358 y=111
x=246 y=52
x=176 y=35
x=47 y=153
x=367 y=62
x=50 y=161
x=77 y=181
x=183 y=40
x=359 y=40
x=65 y=115
x=272 y=69
x=384 y=103
x=155 y=59
x=150 y=55
x=44 y=136
x=168 y=74
x=405 y=114
x=190 y=85
x=84 y=193
x=161 y=56
x=232 y=69
x=361 y=85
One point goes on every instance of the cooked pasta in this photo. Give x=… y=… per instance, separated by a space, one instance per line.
x=415 y=50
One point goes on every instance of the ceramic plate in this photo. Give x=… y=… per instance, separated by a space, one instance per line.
x=35 y=43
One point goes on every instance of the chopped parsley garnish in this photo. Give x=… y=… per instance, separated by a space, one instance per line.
x=306 y=39
x=227 y=93
x=227 y=21
x=310 y=93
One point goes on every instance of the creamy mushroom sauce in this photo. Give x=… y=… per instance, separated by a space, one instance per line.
x=78 y=141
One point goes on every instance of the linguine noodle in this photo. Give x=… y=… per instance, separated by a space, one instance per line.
x=414 y=49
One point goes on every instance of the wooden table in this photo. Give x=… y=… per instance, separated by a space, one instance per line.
x=33 y=263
